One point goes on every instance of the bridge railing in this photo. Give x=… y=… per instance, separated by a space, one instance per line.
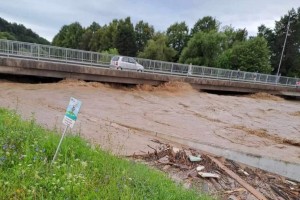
x=59 y=54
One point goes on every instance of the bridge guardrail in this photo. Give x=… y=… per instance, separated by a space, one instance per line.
x=60 y=54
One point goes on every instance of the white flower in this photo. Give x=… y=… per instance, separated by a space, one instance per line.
x=84 y=164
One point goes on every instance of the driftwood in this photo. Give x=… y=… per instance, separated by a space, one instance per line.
x=233 y=175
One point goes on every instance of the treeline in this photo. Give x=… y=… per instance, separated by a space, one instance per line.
x=13 y=31
x=206 y=43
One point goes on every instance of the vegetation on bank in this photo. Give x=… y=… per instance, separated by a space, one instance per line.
x=81 y=171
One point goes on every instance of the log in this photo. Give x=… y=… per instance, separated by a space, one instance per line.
x=233 y=175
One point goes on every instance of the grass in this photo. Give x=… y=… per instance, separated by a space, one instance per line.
x=81 y=171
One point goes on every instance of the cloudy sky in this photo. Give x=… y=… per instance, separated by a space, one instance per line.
x=46 y=17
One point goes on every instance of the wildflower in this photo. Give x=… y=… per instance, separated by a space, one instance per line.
x=84 y=164
x=69 y=176
x=18 y=190
x=36 y=175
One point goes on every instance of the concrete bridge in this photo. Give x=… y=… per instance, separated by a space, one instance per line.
x=44 y=68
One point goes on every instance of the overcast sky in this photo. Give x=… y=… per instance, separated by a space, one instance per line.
x=46 y=17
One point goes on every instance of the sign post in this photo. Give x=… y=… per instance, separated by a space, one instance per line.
x=69 y=120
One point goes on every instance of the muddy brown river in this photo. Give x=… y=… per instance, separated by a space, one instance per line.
x=124 y=120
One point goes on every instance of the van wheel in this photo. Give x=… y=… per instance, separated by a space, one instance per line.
x=139 y=70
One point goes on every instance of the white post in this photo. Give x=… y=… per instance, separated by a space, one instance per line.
x=58 y=147
x=189 y=70
x=286 y=35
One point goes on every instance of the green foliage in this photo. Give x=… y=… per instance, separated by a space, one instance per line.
x=143 y=33
x=125 y=38
x=69 y=36
x=203 y=49
x=112 y=51
x=13 y=31
x=225 y=60
x=86 y=40
x=233 y=36
x=81 y=171
x=107 y=35
x=7 y=36
x=206 y=24
x=252 y=55
x=157 y=49
x=177 y=37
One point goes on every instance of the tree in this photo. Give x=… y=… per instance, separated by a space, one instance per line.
x=96 y=40
x=224 y=60
x=268 y=34
x=252 y=55
x=143 y=33
x=206 y=24
x=177 y=37
x=85 y=40
x=233 y=36
x=94 y=27
x=203 y=48
x=290 y=62
x=157 y=49
x=69 y=36
x=107 y=35
x=125 y=38
x=90 y=40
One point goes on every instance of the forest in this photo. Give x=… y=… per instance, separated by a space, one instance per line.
x=14 y=31
x=207 y=43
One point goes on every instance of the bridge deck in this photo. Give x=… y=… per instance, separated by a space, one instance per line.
x=21 y=66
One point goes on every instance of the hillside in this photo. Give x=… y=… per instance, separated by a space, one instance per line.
x=14 y=31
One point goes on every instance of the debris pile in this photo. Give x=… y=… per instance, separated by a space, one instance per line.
x=219 y=177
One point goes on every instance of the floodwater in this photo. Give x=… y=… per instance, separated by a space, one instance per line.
x=124 y=120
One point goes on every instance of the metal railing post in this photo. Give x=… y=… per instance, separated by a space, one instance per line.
x=38 y=51
x=7 y=51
